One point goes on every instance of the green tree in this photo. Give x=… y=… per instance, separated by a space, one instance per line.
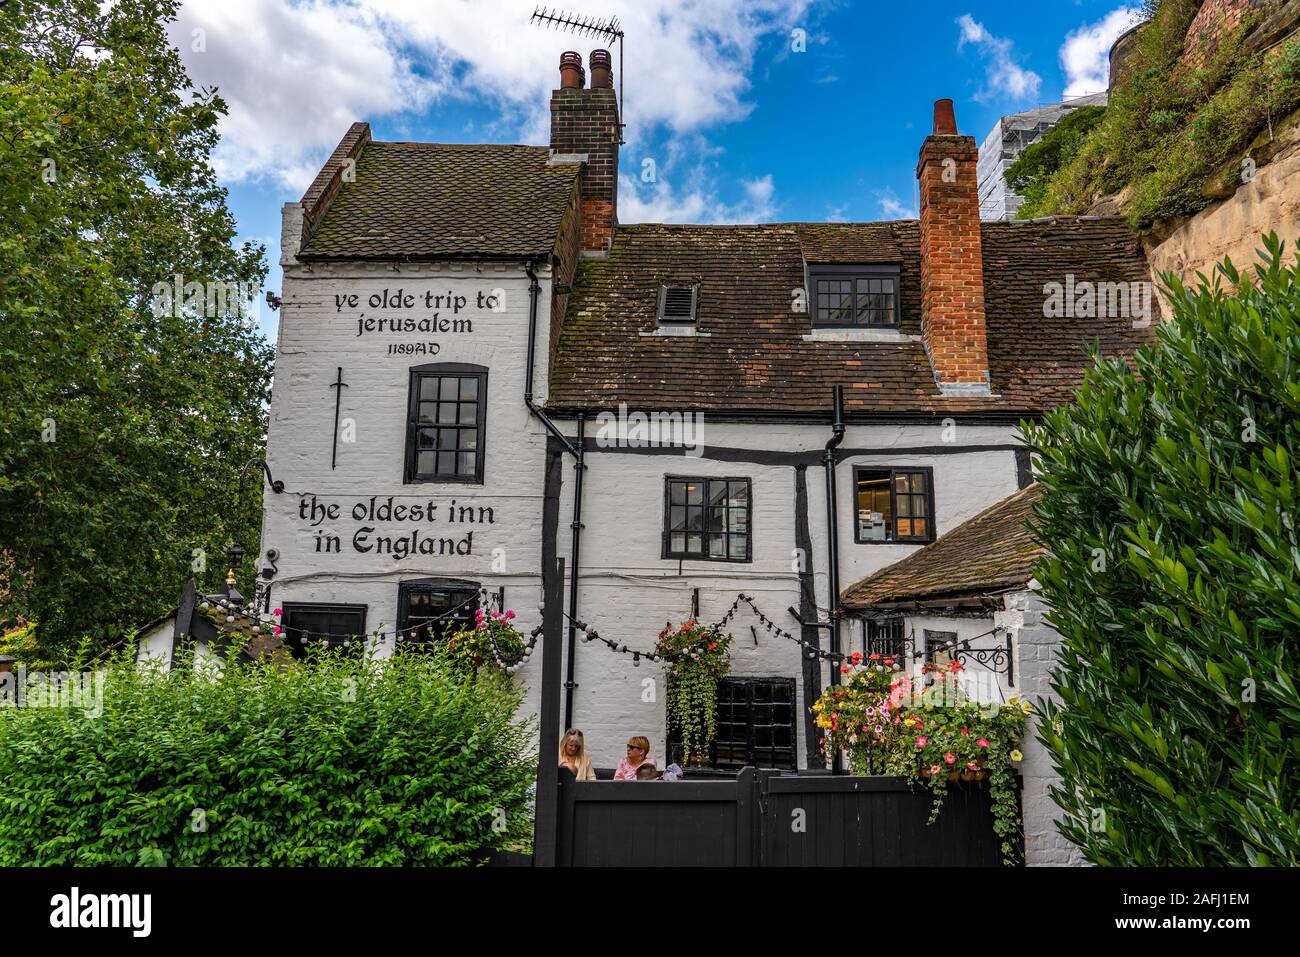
x=124 y=424
x=1033 y=170
x=1169 y=511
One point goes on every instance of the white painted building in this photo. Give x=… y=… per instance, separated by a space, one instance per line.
x=428 y=456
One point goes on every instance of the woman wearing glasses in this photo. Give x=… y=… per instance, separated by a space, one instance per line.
x=638 y=753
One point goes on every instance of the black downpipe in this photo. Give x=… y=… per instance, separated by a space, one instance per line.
x=534 y=289
x=576 y=549
x=833 y=539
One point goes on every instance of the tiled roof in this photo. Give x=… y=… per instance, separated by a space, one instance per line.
x=990 y=552
x=755 y=356
x=431 y=200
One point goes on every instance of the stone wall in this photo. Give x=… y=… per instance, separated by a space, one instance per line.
x=1268 y=201
x=1037 y=643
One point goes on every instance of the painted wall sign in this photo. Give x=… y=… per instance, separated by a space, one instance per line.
x=387 y=525
x=406 y=312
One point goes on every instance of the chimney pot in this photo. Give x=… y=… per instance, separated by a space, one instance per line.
x=602 y=70
x=571 y=70
x=945 y=121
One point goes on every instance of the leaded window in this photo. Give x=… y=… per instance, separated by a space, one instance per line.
x=707 y=519
x=855 y=296
x=446 y=428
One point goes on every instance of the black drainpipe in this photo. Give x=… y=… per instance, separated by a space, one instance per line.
x=576 y=549
x=833 y=540
x=534 y=288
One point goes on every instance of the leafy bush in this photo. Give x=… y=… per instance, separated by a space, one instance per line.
x=335 y=761
x=1033 y=170
x=1169 y=509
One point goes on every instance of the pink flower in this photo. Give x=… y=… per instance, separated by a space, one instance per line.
x=879 y=730
x=845 y=669
x=871 y=711
x=510 y=615
x=278 y=612
x=934 y=769
x=983 y=742
x=920 y=742
x=964 y=731
x=972 y=765
x=950 y=757
x=275 y=629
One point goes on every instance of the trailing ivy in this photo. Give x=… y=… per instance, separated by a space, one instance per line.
x=697 y=657
x=338 y=761
x=1169 y=512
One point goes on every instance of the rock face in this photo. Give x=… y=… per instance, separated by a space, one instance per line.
x=1267 y=202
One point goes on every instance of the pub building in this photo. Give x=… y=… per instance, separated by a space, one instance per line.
x=778 y=411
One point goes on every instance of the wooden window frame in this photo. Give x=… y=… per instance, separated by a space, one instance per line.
x=459 y=370
x=854 y=273
x=893 y=471
x=666 y=543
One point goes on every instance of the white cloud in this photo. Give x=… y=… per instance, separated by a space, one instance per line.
x=1085 y=54
x=698 y=203
x=1005 y=78
x=295 y=74
x=891 y=207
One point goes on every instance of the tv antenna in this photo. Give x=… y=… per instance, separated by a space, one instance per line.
x=609 y=29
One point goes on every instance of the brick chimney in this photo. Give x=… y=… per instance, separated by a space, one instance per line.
x=585 y=122
x=952 y=271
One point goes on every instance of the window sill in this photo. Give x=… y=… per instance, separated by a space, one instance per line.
x=858 y=335
x=686 y=331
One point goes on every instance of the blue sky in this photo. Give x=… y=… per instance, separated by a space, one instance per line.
x=741 y=125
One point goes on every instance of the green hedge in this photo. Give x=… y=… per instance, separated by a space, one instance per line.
x=1169 y=509
x=335 y=761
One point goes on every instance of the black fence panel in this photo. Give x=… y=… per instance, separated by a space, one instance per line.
x=657 y=823
x=766 y=818
x=874 y=822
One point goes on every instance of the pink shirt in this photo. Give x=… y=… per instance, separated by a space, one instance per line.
x=627 y=772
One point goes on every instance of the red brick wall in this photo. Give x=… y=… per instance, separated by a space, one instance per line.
x=1216 y=19
x=952 y=271
x=586 y=121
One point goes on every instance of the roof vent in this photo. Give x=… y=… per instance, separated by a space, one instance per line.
x=677 y=305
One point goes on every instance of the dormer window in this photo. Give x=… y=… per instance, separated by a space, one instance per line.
x=677 y=306
x=854 y=297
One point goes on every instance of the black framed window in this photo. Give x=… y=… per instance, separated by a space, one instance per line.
x=893 y=505
x=707 y=519
x=434 y=608
x=883 y=636
x=854 y=296
x=302 y=623
x=447 y=418
x=755 y=723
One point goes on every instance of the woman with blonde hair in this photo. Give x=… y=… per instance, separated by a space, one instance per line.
x=573 y=755
x=638 y=753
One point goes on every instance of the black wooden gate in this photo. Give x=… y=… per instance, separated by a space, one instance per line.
x=770 y=819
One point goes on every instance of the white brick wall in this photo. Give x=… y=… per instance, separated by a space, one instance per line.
x=626 y=589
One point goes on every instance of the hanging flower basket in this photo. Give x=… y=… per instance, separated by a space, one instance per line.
x=696 y=656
